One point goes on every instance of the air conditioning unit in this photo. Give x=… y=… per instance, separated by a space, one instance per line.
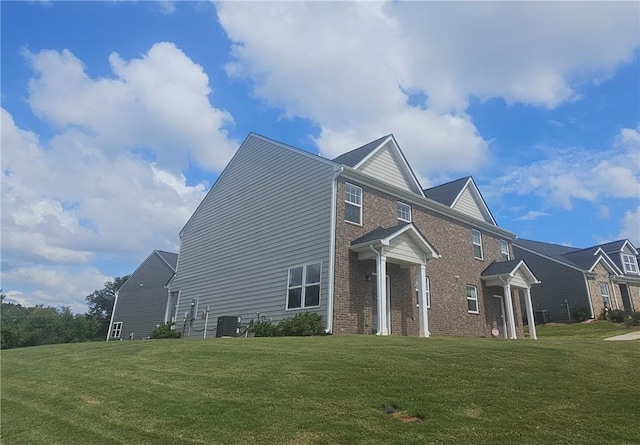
x=227 y=326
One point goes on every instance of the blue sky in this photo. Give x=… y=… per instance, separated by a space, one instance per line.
x=117 y=117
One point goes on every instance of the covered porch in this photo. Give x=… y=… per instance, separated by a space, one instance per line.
x=512 y=275
x=405 y=246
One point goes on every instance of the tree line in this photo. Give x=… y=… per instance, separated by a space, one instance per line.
x=40 y=325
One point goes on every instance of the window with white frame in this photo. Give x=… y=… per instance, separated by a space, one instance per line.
x=477 y=244
x=303 y=288
x=404 y=212
x=472 y=299
x=426 y=291
x=504 y=250
x=352 y=203
x=630 y=263
x=606 y=297
x=116 y=329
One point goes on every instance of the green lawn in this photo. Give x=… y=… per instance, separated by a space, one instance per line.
x=325 y=390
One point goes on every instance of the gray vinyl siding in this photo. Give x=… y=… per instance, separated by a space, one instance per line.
x=142 y=300
x=558 y=282
x=269 y=210
x=386 y=165
x=469 y=206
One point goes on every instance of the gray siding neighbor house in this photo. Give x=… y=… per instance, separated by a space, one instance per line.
x=141 y=302
x=355 y=239
x=596 y=278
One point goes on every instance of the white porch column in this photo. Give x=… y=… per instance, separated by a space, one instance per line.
x=424 y=313
x=530 y=319
x=510 y=316
x=381 y=268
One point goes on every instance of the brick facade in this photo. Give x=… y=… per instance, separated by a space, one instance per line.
x=449 y=275
x=602 y=275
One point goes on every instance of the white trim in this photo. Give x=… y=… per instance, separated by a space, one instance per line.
x=303 y=285
x=609 y=264
x=608 y=294
x=473 y=241
x=426 y=203
x=475 y=288
x=113 y=312
x=424 y=312
x=502 y=252
x=332 y=249
x=510 y=313
x=476 y=192
x=426 y=247
x=398 y=211
x=112 y=328
x=427 y=291
x=586 y=284
x=633 y=263
x=355 y=204
x=531 y=319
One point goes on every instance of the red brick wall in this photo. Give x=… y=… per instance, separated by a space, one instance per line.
x=449 y=275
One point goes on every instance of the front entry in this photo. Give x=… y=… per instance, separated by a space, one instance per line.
x=626 y=298
x=501 y=323
x=374 y=307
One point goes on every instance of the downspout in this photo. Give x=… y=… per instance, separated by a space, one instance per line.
x=113 y=311
x=332 y=249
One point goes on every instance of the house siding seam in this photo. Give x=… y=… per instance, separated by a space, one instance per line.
x=142 y=299
x=270 y=210
x=449 y=275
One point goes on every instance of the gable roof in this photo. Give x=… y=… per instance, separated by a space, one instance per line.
x=583 y=259
x=170 y=258
x=365 y=158
x=462 y=195
x=447 y=193
x=383 y=236
x=511 y=267
x=354 y=157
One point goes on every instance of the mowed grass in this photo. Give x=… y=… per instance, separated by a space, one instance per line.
x=324 y=390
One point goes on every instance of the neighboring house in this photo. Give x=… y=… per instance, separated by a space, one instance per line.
x=141 y=302
x=283 y=231
x=600 y=277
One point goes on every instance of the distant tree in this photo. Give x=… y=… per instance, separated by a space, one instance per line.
x=100 y=304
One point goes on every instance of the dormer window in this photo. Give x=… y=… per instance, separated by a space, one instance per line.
x=404 y=212
x=630 y=263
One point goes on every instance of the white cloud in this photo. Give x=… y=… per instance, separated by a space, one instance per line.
x=531 y=215
x=53 y=286
x=631 y=226
x=351 y=67
x=576 y=173
x=158 y=102
x=87 y=195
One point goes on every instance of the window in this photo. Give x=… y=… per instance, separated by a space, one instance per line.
x=404 y=212
x=472 y=300
x=606 y=297
x=630 y=263
x=304 y=286
x=352 y=203
x=426 y=291
x=477 y=243
x=504 y=250
x=116 y=329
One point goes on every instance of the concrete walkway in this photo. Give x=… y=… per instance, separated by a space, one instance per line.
x=629 y=336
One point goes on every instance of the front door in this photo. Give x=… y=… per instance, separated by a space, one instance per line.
x=501 y=323
x=374 y=307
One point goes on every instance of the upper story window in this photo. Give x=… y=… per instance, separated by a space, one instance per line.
x=477 y=244
x=504 y=250
x=352 y=203
x=472 y=299
x=404 y=212
x=606 y=297
x=630 y=263
x=303 y=289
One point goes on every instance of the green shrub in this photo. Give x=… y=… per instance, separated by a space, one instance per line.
x=264 y=329
x=580 y=313
x=632 y=319
x=164 y=331
x=301 y=325
x=616 y=315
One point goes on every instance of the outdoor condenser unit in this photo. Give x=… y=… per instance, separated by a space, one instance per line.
x=227 y=326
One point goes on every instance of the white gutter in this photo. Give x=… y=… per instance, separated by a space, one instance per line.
x=113 y=312
x=332 y=249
